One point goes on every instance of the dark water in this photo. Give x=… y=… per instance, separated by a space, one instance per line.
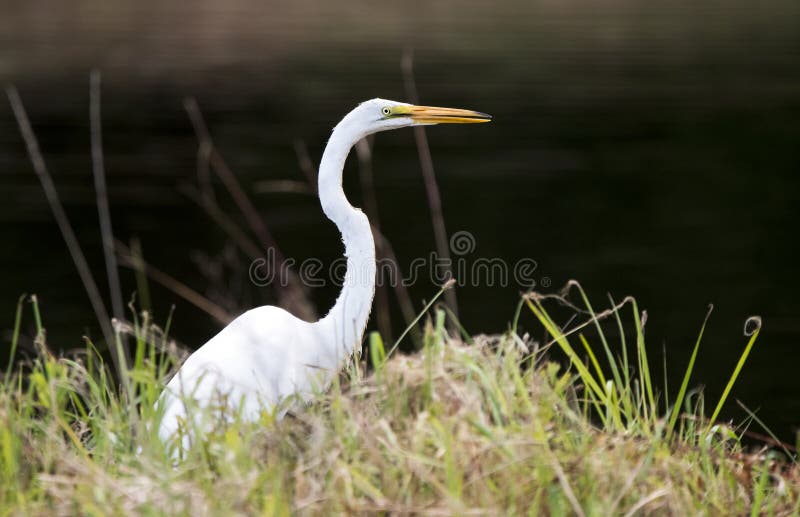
x=649 y=150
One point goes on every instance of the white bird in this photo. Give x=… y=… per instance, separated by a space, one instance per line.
x=266 y=354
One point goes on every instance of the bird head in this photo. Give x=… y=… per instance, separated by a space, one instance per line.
x=381 y=115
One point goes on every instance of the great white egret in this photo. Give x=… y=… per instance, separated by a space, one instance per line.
x=267 y=354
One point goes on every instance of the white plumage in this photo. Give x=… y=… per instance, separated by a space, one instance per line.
x=266 y=354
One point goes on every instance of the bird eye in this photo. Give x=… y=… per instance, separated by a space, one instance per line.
x=386 y=111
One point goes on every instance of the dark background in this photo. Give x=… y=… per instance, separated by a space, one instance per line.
x=643 y=148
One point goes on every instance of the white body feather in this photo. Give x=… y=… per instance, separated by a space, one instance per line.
x=267 y=354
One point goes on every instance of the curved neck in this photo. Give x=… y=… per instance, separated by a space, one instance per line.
x=343 y=327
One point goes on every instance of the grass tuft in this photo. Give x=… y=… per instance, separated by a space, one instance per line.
x=494 y=426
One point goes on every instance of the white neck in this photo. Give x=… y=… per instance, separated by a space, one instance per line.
x=343 y=327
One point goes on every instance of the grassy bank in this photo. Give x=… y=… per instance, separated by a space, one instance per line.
x=468 y=425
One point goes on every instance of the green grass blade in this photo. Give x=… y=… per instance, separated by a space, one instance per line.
x=676 y=409
x=649 y=405
x=444 y=288
x=15 y=335
x=736 y=370
x=561 y=340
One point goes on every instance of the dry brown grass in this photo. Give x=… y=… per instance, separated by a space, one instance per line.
x=487 y=428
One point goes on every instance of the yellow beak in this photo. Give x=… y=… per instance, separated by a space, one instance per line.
x=434 y=115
